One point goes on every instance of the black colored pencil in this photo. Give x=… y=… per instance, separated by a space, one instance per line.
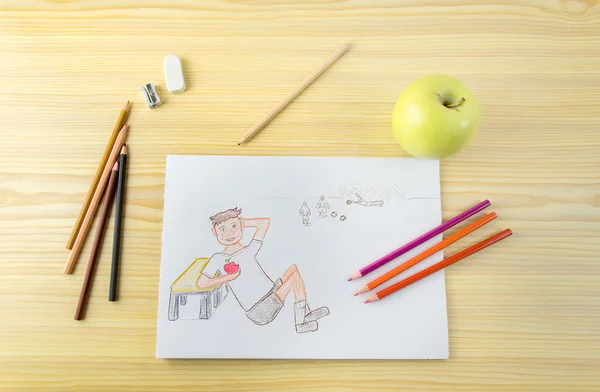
x=114 y=272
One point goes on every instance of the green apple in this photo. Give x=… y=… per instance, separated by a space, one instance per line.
x=435 y=117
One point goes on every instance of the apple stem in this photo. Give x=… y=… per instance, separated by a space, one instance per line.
x=457 y=104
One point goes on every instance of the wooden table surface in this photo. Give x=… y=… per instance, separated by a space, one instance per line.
x=524 y=316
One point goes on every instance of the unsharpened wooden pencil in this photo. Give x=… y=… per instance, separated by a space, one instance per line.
x=89 y=216
x=294 y=93
x=429 y=252
x=116 y=252
x=103 y=161
x=91 y=267
x=439 y=266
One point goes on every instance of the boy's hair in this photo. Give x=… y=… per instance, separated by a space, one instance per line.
x=225 y=216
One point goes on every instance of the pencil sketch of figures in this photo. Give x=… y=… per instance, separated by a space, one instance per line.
x=365 y=203
x=305 y=214
x=369 y=194
x=260 y=297
x=322 y=207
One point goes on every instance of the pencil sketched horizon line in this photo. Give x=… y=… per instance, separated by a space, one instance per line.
x=295 y=198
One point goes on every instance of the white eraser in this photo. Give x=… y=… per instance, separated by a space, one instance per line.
x=174 y=74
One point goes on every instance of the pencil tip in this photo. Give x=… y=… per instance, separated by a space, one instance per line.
x=355 y=275
x=116 y=166
x=240 y=143
x=349 y=279
x=126 y=107
x=124 y=149
x=363 y=290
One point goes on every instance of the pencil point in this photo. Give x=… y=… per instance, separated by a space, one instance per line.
x=126 y=107
x=240 y=143
x=355 y=275
x=116 y=166
x=372 y=299
x=124 y=149
x=363 y=290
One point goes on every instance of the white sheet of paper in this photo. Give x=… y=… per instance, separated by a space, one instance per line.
x=373 y=206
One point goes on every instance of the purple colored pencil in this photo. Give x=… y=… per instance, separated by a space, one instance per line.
x=420 y=240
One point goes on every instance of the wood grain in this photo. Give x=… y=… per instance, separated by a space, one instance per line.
x=524 y=316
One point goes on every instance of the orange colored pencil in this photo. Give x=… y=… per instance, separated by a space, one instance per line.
x=88 y=198
x=425 y=254
x=441 y=265
x=95 y=203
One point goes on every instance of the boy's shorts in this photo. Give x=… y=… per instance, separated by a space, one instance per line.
x=265 y=310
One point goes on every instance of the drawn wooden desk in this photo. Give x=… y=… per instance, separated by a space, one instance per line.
x=209 y=299
x=523 y=317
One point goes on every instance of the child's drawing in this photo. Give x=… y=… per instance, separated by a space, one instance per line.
x=322 y=207
x=365 y=203
x=258 y=295
x=305 y=214
x=269 y=281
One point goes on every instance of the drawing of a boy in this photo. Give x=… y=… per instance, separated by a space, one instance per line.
x=260 y=297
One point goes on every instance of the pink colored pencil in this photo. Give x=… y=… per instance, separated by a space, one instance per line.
x=420 y=240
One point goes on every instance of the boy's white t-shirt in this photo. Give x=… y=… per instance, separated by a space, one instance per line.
x=253 y=283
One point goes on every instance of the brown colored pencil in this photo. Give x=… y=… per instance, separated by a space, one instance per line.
x=441 y=265
x=91 y=267
x=95 y=203
x=88 y=198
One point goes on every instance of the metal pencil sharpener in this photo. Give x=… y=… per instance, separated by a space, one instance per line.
x=152 y=98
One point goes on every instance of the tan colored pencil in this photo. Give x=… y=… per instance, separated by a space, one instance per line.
x=91 y=267
x=290 y=97
x=89 y=216
x=88 y=198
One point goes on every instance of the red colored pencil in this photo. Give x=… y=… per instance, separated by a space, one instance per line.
x=441 y=265
x=425 y=254
x=420 y=240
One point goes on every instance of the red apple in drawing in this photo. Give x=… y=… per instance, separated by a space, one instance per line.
x=231 y=267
